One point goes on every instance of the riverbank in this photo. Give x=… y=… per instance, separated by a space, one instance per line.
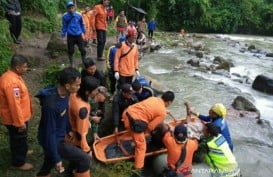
x=35 y=49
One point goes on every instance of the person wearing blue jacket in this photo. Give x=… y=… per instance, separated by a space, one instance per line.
x=217 y=114
x=54 y=125
x=110 y=63
x=151 y=28
x=142 y=91
x=73 y=27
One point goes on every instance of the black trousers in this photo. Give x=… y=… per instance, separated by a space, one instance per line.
x=113 y=81
x=78 y=158
x=150 y=33
x=71 y=42
x=101 y=38
x=18 y=145
x=15 y=25
x=124 y=80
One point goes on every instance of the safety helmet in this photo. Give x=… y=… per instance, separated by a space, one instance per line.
x=131 y=32
x=69 y=4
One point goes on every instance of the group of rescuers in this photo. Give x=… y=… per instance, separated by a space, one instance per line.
x=76 y=103
x=91 y=25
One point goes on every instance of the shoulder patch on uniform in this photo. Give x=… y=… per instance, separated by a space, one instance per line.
x=118 y=45
x=16 y=92
x=83 y=113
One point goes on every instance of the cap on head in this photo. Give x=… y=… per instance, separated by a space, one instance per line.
x=180 y=133
x=69 y=4
x=122 y=38
x=127 y=88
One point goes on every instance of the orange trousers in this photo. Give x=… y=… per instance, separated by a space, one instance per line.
x=140 y=144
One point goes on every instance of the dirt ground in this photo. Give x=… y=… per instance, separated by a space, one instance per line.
x=35 y=50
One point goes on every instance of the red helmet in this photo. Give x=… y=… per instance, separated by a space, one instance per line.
x=131 y=32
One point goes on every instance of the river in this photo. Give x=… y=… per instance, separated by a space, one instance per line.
x=253 y=142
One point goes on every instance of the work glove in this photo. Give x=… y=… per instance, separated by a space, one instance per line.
x=117 y=75
x=137 y=73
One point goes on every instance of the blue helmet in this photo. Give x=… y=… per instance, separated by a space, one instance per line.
x=69 y=4
x=122 y=38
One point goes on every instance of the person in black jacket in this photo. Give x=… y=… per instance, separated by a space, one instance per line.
x=124 y=98
x=90 y=69
x=13 y=15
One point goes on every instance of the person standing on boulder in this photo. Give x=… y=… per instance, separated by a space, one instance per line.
x=73 y=27
x=16 y=110
x=101 y=26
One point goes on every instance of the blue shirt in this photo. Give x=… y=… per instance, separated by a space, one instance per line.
x=54 y=122
x=72 y=24
x=146 y=93
x=112 y=55
x=223 y=126
x=151 y=25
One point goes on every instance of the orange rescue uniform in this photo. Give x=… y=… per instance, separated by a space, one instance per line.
x=15 y=101
x=101 y=15
x=127 y=65
x=86 y=21
x=79 y=120
x=153 y=112
x=174 y=150
x=92 y=14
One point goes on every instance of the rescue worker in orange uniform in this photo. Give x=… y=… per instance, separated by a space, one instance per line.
x=144 y=117
x=86 y=20
x=79 y=111
x=126 y=60
x=176 y=142
x=101 y=26
x=16 y=110
x=92 y=14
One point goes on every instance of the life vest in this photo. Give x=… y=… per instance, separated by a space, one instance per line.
x=121 y=22
x=221 y=159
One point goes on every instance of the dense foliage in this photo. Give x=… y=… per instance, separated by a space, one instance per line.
x=227 y=16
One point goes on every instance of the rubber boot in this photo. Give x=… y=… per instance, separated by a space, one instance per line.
x=84 y=174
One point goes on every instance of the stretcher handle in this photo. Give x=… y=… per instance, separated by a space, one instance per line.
x=171 y=115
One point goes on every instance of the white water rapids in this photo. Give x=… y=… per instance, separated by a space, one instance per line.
x=253 y=143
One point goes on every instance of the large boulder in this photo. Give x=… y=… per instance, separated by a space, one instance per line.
x=242 y=104
x=269 y=55
x=194 y=62
x=223 y=63
x=56 y=46
x=263 y=83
